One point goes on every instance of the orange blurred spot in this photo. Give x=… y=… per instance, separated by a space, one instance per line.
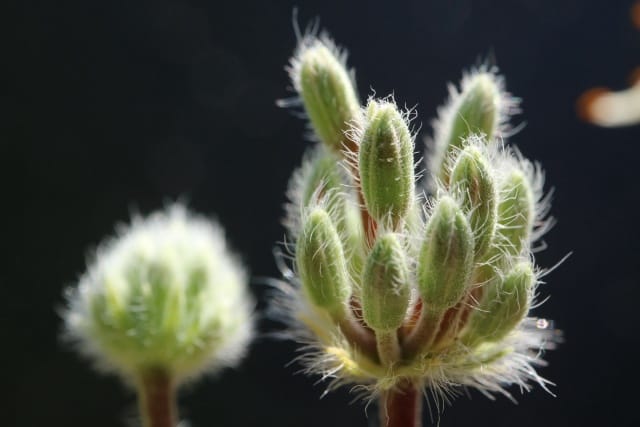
x=634 y=77
x=586 y=100
x=635 y=14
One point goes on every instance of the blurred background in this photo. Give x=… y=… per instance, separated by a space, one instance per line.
x=117 y=107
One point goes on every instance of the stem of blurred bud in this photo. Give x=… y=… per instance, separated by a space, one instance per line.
x=157 y=399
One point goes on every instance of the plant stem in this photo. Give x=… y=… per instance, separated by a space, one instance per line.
x=401 y=406
x=423 y=334
x=361 y=338
x=388 y=347
x=157 y=398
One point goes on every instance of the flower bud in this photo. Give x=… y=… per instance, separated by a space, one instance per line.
x=166 y=295
x=504 y=304
x=385 y=163
x=475 y=111
x=321 y=262
x=478 y=109
x=385 y=284
x=326 y=90
x=473 y=181
x=325 y=179
x=446 y=258
x=323 y=176
x=516 y=212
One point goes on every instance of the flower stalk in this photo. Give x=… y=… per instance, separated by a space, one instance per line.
x=157 y=399
x=401 y=406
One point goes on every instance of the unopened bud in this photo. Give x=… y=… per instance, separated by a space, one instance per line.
x=323 y=176
x=446 y=258
x=503 y=306
x=386 y=163
x=478 y=110
x=472 y=179
x=321 y=262
x=516 y=212
x=326 y=179
x=327 y=92
x=166 y=295
x=475 y=111
x=385 y=284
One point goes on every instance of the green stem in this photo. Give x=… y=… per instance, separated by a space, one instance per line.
x=157 y=398
x=388 y=347
x=401 y=406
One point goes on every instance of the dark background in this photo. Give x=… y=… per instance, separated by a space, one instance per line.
x=121 y=106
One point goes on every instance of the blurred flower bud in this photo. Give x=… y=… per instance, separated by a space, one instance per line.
x=164 y=295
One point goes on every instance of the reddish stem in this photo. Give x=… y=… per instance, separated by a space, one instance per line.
x=369 y=224
x=156 y=398
x=401 y=406
x=359 y=337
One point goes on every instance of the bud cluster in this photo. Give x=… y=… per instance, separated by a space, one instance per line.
x=391 y=287
x=165 y=295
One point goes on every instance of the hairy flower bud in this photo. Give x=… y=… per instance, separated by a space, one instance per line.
x=516 y=212
x=472 y=179
x=326 y=89
x=327 y=179
x=478 y=109
x=504 y=304
x=324 y=176
x=446 y=258
x=385 y=284
x=321 y=262
x=385 y=163
x=164 y=295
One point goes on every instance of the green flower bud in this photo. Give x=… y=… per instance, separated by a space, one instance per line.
x=325 y=178
x=321 y=263
x=516 y=212
x=504 y=304
x=385 y=162
x=164 y=295
x=446 y=258
x=473 y=180
x=385 y=284
x=476 y=111
x=326 y=90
